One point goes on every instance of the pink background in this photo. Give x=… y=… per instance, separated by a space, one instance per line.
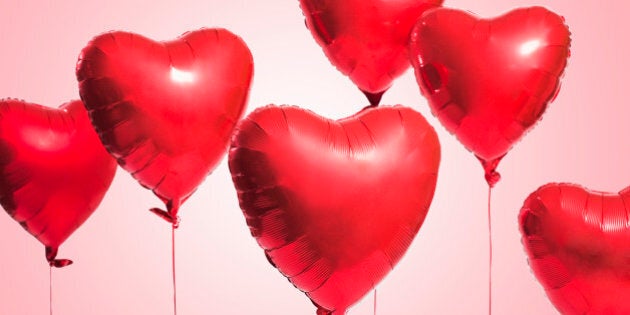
x=122 y=253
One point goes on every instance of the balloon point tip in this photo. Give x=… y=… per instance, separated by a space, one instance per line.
x=374 y=98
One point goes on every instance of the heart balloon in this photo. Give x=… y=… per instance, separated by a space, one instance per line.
x=54 y=171
x=489 y=81
x=578 y=243
x=166 y=110
x=334 y=204
x=366 y=39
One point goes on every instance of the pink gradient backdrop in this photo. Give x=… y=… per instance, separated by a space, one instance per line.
x=122 y=254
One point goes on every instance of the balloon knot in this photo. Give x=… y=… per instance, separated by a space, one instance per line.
x=323 y=311
x=51 y=254
x=489 y=167
x=492 y=178
x=60 y=263
x=167 y=216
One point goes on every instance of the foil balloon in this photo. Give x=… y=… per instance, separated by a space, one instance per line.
x=489 y=81
x=54 y=171
x=334 y=204
x=578 y=244
x=366 y=39
x=166 y=110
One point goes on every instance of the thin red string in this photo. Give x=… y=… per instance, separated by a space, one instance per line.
x=374 y=301
x=173 y=265
x=489 y=252
x=50 y=289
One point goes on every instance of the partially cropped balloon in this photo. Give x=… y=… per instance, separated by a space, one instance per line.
x=489 y=81
x=166 y=110
x=54 y=171
x=334 y=203
x=578 y=244
x=366 y=39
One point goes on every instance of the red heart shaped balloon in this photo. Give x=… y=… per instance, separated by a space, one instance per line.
x=334 y=204
x=166 y=110
x=366 y=39
x=489 y=80
x=54 y=171
x=578 y=243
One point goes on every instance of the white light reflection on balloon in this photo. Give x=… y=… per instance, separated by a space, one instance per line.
x=529 y=47
x=182 y=76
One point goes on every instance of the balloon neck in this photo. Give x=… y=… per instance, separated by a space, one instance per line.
x=373 y=98
x=323 y=311
x=51 y=255
x=490 y=170
x=170 y=214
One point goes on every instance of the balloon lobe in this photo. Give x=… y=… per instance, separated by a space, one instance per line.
x=365 y=40
x=334 y=204
x=488 y=81
x=54 y=171
x=576 y=241
x=166 y=110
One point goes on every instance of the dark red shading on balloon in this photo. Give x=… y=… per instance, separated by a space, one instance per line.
x=334 y=204
x=166 y=110
x=489 y=81
x=54 y=171
x=366 y=39
x=578 y=244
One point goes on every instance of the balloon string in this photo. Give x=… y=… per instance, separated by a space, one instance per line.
x=173 y=265
x=374 y=301
x=50 y=293
x=489 y=252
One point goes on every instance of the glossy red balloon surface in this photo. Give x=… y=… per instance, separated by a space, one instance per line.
x=166 y=110
x=54 y=171
x=578 y=243
x=366 y=39
x=334 y=204
x=489 y=80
